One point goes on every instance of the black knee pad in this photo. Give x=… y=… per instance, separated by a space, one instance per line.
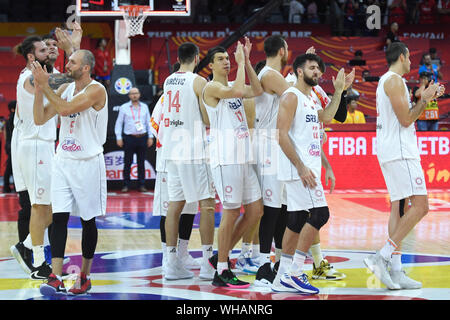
x=162 y=229
x=401 y=206
x=58 y=234
x=296 y=220
x=25 y=205
x=318 y=217
x=89 y=237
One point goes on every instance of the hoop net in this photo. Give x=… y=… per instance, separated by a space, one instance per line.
x=134 y=18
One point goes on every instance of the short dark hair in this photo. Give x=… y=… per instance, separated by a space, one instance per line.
x=273 y=44
x=394 y=51
x=187 y=52
x=259 y=66
x=27 y=46
x=300 y=62
x=12 y=105
x=213 y=51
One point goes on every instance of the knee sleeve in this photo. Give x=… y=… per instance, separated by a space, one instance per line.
x=58 y=234
x=280 y=227
x=89 y=238
x=318 y=217
x=296 y=220
x=267 y=228
x=402 y=207
x=162 y=229
x=185 y=226
x=24 y=214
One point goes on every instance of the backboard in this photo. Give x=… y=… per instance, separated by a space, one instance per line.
x=110 y=8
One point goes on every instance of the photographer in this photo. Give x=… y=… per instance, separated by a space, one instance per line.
x=429 y=119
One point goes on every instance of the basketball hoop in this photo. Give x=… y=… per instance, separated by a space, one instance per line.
x=134 y=18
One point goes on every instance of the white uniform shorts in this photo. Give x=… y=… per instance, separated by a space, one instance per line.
x=79 y=186
x=236 y=185
x=191 y=182
x=19 y=184
x=404 y=178
x=271 y=188
x=161 y=198
x=34 y=159
x=300 y=197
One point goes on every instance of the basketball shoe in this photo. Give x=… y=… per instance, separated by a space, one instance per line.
x=246 y=264
x=81 y=286
x=379 y=268
x=278 y=286
x=264 y=276
x=325 y=271
x=229 y=280
x=24 y=256
x=42 y=272
x=52 y=286
x=300 y=283
x=403 y=280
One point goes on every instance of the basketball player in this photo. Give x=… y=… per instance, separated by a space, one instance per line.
x=300 y=167
x=230 y=154
x=188 y=175
x=161 y=203
x=399 y=159
x=78 y=173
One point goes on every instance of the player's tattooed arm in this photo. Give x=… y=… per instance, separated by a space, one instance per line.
x=56 y=80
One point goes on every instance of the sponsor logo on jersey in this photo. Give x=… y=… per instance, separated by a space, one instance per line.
x=241 y=132
x=71 y=145
x=235 y=104
x=314 y=150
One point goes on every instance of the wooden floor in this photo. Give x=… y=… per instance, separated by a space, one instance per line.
x=127 y=263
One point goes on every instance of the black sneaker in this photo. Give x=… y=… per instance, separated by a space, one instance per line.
x=275 y=267
x=214 y=259
x=42 y=272
x=24 y=256
x=264 y=276
x=229 y=280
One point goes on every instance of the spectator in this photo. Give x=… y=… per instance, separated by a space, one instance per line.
x=357 y=59
x=428 y=66
x=392 y=35
x=134 y=119
x=429 y=119
x=365 y=73
x=337 y=17
x=352 y=92
x=311 y=10
x=412 y=11
x=427 y=12
x=397 y=11
x=296 y=10
x=9 y=126
x=443 y=8
x=353 y=115
x=350 y=10
x=435 y=58
x=103 y=63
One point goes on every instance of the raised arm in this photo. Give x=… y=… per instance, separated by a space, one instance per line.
x=327 y=114
x=255 y=89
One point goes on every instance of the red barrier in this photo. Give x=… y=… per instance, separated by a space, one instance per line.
x=352 y=156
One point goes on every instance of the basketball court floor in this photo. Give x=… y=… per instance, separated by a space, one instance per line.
x=127 y=264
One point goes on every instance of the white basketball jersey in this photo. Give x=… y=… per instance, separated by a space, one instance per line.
x=229 y=136
x=394 y=142
x=83 y=134
x=24 y=118
x=304 y=134
x=266 y=106
x=184 y=130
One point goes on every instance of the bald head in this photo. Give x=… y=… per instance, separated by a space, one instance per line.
x=134 y=94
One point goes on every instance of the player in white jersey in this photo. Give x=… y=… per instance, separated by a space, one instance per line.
x=78 y=173
x=184 y=150
x=399 y=158
x=300 y=167
x=231 y=154
x=33 y=149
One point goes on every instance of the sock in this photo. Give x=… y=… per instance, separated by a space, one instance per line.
x=264 y=258
x=386 y=251
x=207 y=251
x=396 y=261
x=285 y=263
x=171 y=255
x=38 y=256
x=183 y=247
x=316 y=254
x=27 y=242
x=297 y=263
x=278 y=252
x=246 y=248
x=164 y=250
x=221 y=266
x=255 y=251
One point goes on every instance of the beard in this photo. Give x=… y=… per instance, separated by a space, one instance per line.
x=75 y=74
x=310 y=81
x=47 y=63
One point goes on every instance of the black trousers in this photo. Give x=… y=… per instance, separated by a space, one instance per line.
x=7 y=174
x=134 y=145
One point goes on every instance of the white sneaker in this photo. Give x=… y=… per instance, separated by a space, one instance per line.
x=206 y=271
x=246 y=265
x=189 y=262
x=379 y=268
x=404 y=281
x=177 y=271
x=277 y=286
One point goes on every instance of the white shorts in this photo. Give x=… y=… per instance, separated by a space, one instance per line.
x=271 y=188
x=161 y=198
x=34 y=159
x=79 y=186
x=404 y=178
x=236 y=185
x=191 y=182
x=300 y=197
x=19 y=184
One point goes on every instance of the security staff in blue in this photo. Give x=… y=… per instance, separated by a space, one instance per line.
x=134 y=121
